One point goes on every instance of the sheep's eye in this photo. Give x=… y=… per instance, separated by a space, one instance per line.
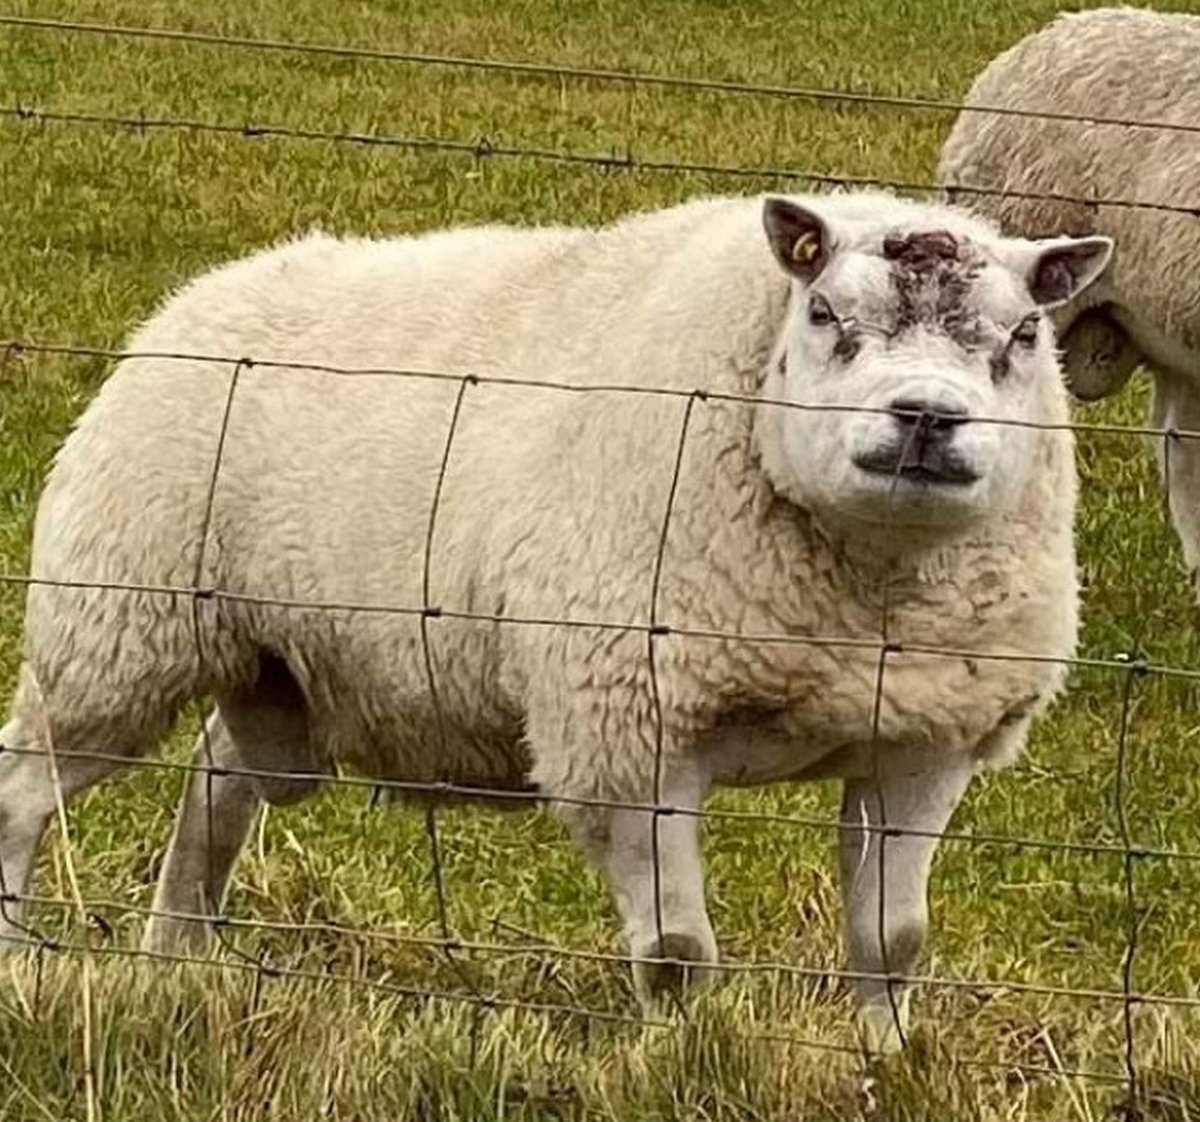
x=1026 y=332
x=820 y=314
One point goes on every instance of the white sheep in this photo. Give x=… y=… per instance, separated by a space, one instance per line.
x=786 y=522
x=1123 y=64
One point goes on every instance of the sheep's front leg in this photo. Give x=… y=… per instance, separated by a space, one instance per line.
x=1176 y=405
x=921 y=799
x=664 y=916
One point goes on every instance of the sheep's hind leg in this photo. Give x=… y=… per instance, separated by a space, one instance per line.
x=920 y=799
x=27 y=803
x=675 y=925
x=260 y=750
x=215 y=816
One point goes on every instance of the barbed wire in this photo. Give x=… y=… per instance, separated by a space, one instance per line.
x=584 y=73
x=485 y=148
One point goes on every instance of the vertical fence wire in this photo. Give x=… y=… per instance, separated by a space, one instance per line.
x=655 y=630
x=86 y=997
x=430 y=611
x=202 y=593
x=1137 y=668
x=916 y=432
x=11 y=909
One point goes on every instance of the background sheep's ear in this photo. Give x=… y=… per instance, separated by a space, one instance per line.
x=1062 y=268
x=799 y=238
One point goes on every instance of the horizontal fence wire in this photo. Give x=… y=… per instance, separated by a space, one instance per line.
x=485 y=148
x=541 y=947
x=601 y=75
x=504 y=1002
x=203 y=592
x=15 y=346
x=443 y=789
x=681 y=631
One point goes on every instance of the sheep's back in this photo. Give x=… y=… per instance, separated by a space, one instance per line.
x=1113 y=63
x=299 y=484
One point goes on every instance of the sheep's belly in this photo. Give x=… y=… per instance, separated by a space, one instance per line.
x=415 y=749
x=758 y=758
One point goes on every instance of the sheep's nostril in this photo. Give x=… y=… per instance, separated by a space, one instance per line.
x=928 y=416
x=922 y=447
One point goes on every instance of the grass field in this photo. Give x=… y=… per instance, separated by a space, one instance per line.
x=98 y=223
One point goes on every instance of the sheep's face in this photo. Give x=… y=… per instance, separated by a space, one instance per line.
x=904 y=347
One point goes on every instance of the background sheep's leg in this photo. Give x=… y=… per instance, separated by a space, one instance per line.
x=916 y=799
x=1176 y=404
x=622 y=843
x=215 y=817
x=27 y=802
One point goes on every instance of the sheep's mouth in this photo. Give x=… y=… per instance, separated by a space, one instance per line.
x=930 y=469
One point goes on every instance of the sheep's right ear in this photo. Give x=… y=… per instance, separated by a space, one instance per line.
x=799 y=238
x=1060 y=269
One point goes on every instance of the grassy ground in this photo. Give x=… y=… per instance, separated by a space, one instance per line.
x=98 y=224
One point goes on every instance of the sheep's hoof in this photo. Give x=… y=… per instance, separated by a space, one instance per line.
x=659 y=983
x=882 y=1030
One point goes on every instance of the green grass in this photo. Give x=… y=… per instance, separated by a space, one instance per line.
x=98 y=224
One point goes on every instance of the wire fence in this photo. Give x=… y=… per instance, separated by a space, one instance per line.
x=1130 y=666
x=578 y=73
x=485 y=148
x=209 y=765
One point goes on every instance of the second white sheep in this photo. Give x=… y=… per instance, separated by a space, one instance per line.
x=1122 y=65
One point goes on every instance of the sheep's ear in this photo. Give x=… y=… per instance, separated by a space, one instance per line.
x=799 y=238
x=1061 y=268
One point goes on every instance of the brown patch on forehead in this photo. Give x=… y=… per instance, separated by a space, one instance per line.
x=932 y=272
x=921 y=252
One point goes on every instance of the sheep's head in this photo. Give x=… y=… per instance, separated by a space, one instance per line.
x=906 y=341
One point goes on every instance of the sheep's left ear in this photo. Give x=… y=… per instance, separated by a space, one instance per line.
x=1061 y=268
x=799 y=238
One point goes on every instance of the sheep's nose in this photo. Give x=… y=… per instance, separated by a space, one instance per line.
x=927 y=422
